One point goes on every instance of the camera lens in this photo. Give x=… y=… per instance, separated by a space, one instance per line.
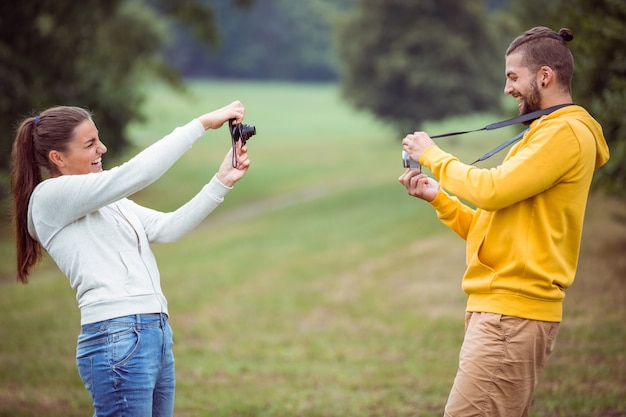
x=246 y=131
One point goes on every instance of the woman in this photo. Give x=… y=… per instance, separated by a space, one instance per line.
x=100 y=239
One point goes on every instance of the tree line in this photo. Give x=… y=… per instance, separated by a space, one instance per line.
x=404 y=61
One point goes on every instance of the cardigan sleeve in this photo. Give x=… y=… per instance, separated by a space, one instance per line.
x=168 y=227
x=59 y=201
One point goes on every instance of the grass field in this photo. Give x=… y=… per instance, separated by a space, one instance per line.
x=318 y=288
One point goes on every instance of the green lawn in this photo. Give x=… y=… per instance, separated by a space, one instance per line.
x=318 y=288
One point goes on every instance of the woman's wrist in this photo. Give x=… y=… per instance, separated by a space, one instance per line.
x=206 y=121
x=224 y=180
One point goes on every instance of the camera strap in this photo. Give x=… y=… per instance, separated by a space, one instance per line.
x=524 y=118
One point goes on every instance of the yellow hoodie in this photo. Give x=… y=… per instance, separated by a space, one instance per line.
x=523 y=239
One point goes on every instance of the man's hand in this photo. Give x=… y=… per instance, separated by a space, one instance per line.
x=416 y=143
x=419 y=185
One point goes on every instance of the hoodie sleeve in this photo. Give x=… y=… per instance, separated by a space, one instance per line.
x=550 y=152
x=454 y=214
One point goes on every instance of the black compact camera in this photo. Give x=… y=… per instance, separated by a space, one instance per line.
x=409 y=162
x=241 y=132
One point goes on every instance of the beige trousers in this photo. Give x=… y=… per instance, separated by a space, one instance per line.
x=500 y=363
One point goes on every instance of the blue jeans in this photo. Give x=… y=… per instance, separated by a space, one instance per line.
x=127 y=365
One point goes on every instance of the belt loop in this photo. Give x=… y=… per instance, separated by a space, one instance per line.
x=162 y=318
x=138 y=321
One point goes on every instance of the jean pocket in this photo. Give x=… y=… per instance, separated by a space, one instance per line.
x=123 y=345
x=85 y=371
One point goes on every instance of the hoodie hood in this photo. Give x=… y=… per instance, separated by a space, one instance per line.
x=583 y=116
x=602 y=148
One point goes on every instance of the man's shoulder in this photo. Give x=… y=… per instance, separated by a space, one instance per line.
x=574 y=117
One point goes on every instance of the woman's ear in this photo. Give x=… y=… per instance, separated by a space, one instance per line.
x=56 y=158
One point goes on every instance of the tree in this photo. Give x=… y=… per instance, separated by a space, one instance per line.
x=409 y=61
x=273 y=39
x=599 y=83
x=88 y=53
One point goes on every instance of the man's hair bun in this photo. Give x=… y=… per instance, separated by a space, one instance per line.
x=566 y=34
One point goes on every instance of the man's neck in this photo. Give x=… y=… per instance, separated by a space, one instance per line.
x=555 y=100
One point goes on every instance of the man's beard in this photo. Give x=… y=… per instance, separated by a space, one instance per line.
x=532 y=99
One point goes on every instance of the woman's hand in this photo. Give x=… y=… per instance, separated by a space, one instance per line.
x=216 y=118
x=419 y=185
x=228 y=174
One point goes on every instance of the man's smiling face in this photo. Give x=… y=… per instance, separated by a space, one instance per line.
x=521 y=83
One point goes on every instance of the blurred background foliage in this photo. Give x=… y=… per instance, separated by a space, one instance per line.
x=599 y=49
x=407 y=62
x=414 y=61
x=271 y=40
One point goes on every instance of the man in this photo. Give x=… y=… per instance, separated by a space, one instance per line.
x=523 y=237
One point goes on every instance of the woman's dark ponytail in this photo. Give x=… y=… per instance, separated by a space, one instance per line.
x=52 y=129
x=25 y=175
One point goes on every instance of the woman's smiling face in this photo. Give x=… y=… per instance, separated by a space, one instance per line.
x=84 y=151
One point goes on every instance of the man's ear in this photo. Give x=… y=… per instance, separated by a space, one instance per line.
x=57 y=158
x=545 y=76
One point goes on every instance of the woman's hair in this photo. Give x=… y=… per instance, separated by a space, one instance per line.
x=541 y=46
x=52 y=129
